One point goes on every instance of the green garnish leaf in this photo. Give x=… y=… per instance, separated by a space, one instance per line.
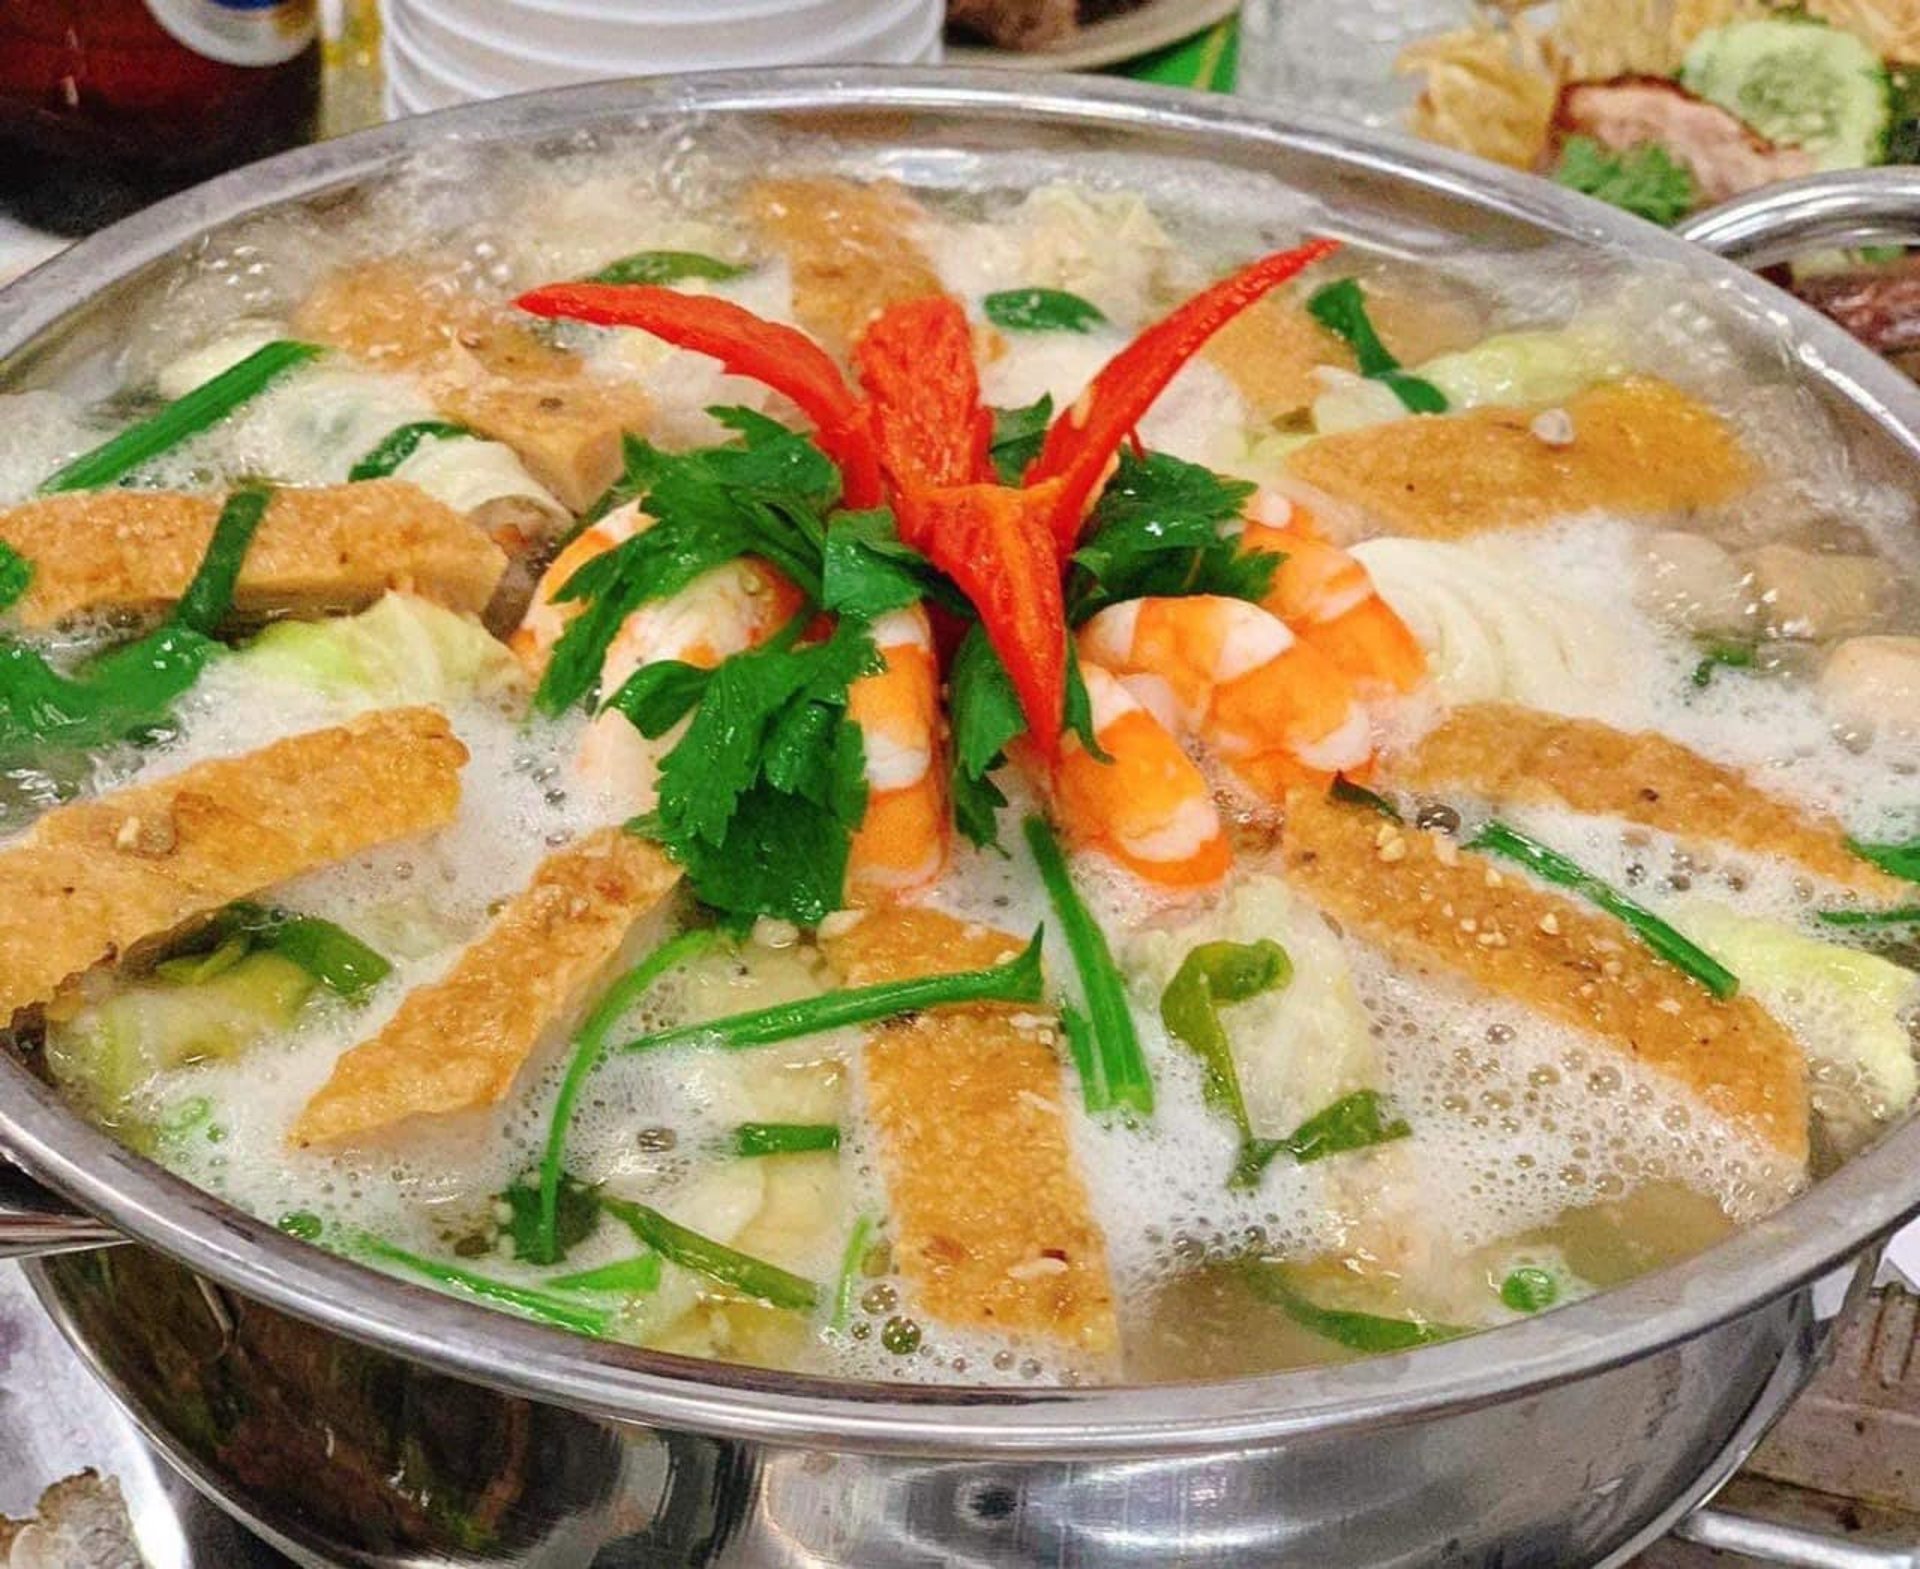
x=1496 y=838
x=1529 y=1289
x=1356 y=1121
x=1902 y=858
x=752 y=1139
x=1368 y=1332
x=589 y=1048
x=331 y=954
x=668 y=267
x=1715 y=656
x=1018 y=980
x=657 y=696
x=1018 y=436
x=185 y=416
x=397 y=446
x=627 y=1277
x=525 y=1299
x=984 y=715
x=746 y=1274
x=16 y=575
x=1165 y=527
x=1077 y=717
x=1121 y=1080
x=576 y=1212
x=852 y=1257
x=1905 y=915
x=1041 y=310
x=1211 y=974
x=1347 y=792
x=1645 y=180
x=867 y=571
x=1341 y=308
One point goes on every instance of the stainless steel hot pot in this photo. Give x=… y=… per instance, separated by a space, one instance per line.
x=357 y=1419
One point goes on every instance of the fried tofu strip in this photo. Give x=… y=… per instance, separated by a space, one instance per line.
x=458 y=1044
x=482 y=365
x=339 y=547
x=849 y=247
x=89 y=881
x=1640 y=447
x=990 y=1219
x=1504 y=752
x=1432 y=906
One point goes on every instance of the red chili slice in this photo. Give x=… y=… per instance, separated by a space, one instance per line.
x=916 y=367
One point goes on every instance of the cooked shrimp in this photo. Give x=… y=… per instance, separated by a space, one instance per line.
x=1149 y=808
x=1328 y=599
x=1272 y=708
x=901 y=844
x=547 y=616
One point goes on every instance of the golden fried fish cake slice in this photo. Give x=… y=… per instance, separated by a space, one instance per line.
x=1503 y=752
x=91 y=880
x=990 y=1219
x=1435 y=907
x=1640 y=447
x=459 y=1043
x=336 y=547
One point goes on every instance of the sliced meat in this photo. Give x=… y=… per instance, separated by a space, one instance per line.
x=1502 y=752
x=339 y=547
x=482 y=365
x=1016 y=24
x=458 y=1044
x=1640 y=447
x=1726 y=155
x=1880 y=307
x=991 y=1224
x=850 y=249
x=91 y=880
x=1436 y=908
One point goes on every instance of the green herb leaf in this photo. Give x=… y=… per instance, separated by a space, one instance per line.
x=867 y=571
x=852 y=1257
x=983 y=715
x=1645 y=180
x=576 y=1213
x=1529 y=1289
x=627 y=1277
x=668 y=267
x=16 y=575
x=1077 y=718
x=332 y=955
x=746 y=1274
x=1553 y=867
x=1356 y=1121
x=1041 y=310
x=657 y=696
x=525 y=1299
x=397 y=446
x=1018 y=436
x=1368 y=1332
x=1902 y=859
x=185 y=416
x=1716 y=656
x=1122 y=1080
x=589 y=1049
x=1342 y=309
x=209 y=597
x=1346 y=791
x=1211 y=974
x=1905 y=915
x=784 y=1138
x=1018 y=980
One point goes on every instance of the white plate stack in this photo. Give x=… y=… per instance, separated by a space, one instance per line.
x=439 y=53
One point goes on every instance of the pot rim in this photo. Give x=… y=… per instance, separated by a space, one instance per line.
x=1836 y=1219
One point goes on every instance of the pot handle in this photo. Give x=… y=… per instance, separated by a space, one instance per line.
x=1844 y=210
x=34 y=1221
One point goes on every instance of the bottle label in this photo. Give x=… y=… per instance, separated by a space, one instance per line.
x=239 y=32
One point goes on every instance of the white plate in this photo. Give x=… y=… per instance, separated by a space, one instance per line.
x=1124 y=37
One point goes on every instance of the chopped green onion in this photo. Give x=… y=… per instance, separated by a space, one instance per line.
x=332 y=955
x=1529 y=1289
x=1902 y=859
x=1342 y=309
x=852 y=1257
x=185 y=416
x=535 y=1304
x=1018 y=980
x=1553 y=867
x=784 y=1138
x=1356 y=1121
x=748 y=1275
x=397 y=446
x=1214 y=973
x=1112 y=1045
x=209 y=597
x=1905 y=915
x=1346 y=791
x=1717 y=656
x=16 y=575
x=1041 y=310
x=1368 y=1332
x=667 y=267
x=301 y=1223
x=590 y=1045
x=628 y=1276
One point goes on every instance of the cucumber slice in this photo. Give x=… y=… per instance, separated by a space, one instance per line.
x=1799 y=83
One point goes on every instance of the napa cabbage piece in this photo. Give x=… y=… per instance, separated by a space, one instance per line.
x=1533 y=368
x=402 y=649
x=1298 y=1048
x=1494 y=632
x=1849 y=1009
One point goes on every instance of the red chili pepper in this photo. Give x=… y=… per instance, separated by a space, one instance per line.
x=783 y=357
x=1082 y=441
x=916 y=367
x=992 y=541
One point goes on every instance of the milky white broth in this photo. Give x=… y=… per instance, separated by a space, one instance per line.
x=1531 y=1144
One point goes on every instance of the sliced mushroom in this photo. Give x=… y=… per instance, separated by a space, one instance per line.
x=1872 y=684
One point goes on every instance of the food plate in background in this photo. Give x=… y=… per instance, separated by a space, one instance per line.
x=1132 y=33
